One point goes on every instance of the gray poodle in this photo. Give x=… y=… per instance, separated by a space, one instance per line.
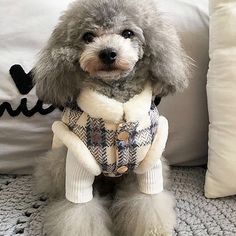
x=107 y=59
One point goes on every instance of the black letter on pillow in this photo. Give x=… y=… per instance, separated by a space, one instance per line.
x=24 y=83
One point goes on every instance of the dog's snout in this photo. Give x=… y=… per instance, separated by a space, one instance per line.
x=108 y=56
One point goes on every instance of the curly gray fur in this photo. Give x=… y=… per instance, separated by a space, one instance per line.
x=139 y=214
x=49 y=173
x=154 y=54
x=68 y=219
x=162 y=60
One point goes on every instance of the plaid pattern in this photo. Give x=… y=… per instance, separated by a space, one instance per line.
x=102 y=141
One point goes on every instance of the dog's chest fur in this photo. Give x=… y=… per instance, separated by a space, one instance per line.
x=122 y=90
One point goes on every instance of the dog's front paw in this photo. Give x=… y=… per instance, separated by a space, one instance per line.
x=144 y=215
x=64 y=218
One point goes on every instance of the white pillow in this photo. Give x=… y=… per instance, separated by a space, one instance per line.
x=221 y=89
x=25 y=26
x=187 y=112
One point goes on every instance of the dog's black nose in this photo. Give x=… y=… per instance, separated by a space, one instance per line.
x=108 y=56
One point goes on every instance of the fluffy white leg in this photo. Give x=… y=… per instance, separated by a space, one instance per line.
x=49 y=174
x=64 y=218
x=140 y=214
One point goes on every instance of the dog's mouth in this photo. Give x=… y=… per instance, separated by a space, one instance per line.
x=115 y=71
x=109 y=72
x=106 y=71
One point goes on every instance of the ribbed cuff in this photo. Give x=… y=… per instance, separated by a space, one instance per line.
x=151 y=182
x=79 y=182
x=76 y=195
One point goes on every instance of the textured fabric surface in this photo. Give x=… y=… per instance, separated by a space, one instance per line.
x=111 y=144
x=21 y=211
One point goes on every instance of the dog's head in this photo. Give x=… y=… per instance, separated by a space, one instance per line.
x=110 y=40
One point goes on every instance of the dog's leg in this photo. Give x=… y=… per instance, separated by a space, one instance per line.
x=49 y=174
x=140 y=214
x=64 y=218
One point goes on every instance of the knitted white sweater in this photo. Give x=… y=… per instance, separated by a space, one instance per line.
x=89 y=153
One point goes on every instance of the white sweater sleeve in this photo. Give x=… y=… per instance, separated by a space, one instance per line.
x=151 y=182
x=79 y=181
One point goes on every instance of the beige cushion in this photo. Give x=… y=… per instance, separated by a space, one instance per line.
x=221 y=89
x=187 y=112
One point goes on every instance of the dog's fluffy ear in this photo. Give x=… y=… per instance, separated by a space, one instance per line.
x=168 y=62
x=55 y=72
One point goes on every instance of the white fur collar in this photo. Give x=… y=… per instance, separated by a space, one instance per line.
x=100 y=106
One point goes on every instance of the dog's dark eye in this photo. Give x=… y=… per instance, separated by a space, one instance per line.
x=88 y=37
x=127 y=34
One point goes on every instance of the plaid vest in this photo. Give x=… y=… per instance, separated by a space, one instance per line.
x=118 y=146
